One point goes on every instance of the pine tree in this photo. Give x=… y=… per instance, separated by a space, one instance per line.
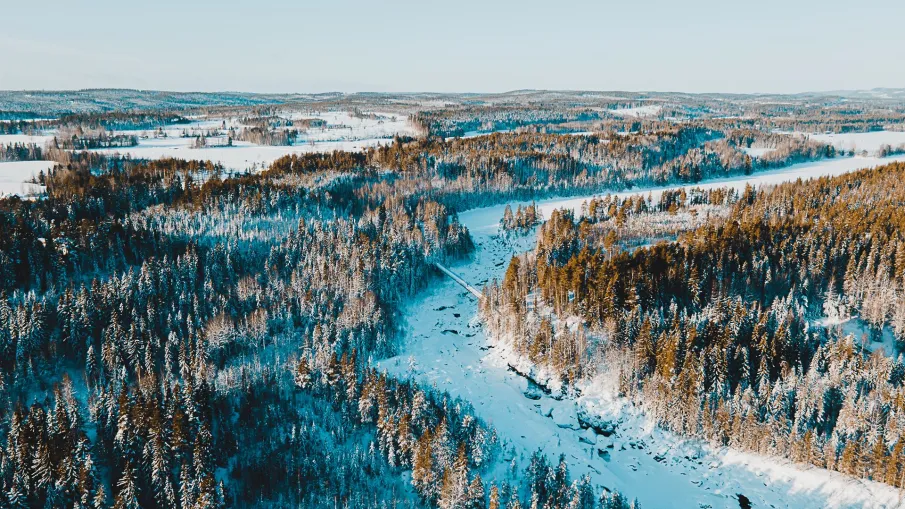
x=584 y=495
x=202 y=454
x=17 y=496
x=494 y=502
x=423 y=476
x=303 y=374
x=42 y=470
x=454 y=489
x=895 y=463
x=475 y=497
x=100 y=498
x=127 y=497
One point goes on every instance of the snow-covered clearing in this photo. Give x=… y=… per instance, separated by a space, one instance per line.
x=871 y=141
x=241 y=156
x=637 y=112
x=14 y=177
x=861 y=334
x=342 y=126
x=447 y=348
x=24 y=139
x=342 y=131
x=757 y=151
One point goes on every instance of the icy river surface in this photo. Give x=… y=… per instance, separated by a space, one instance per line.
x=446 y=347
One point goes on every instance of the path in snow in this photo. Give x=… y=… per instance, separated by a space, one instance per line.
x=449 y=350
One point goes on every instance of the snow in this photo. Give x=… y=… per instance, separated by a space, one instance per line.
x=241 y=156
x=12 y=139
x=13 y=177
x=757 y=151
x=343 y=131
x=638 y=111
x=639 y=459
x=342 y=126
x=871 y=141
x=861 y=334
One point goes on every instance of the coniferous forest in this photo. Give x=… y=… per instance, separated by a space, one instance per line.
x=179 y=330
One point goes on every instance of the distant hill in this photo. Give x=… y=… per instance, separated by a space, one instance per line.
x=24 y=104
x=874 y=93
x=54 y=103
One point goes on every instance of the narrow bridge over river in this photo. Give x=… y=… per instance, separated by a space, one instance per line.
x=455 y=277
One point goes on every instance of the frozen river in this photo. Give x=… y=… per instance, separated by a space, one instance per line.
x=446 y=347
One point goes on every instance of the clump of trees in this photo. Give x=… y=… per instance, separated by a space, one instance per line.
x=79 y=139
x=21 y=152
x=264 y=136
x=523 y=220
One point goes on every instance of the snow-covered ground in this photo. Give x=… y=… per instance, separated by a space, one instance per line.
x=241 y=156
x=447 y=348
x=342 y=126
x=871 y=142
x=14 y=177
x=757 y=151
x=12 y=139
x=343 y=131
x=861 y=335
x=637 y=112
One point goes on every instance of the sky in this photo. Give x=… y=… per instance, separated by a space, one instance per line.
x=765 y=46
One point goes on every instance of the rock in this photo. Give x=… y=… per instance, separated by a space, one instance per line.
x=600 y=426
x=533 y=392
x=528 y=378
x=564 y=417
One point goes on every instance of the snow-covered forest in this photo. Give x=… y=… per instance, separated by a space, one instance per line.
x=187 y=322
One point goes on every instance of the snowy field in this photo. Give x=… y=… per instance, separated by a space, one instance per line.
x=637 y=112
x=447 y=348
x=871 y=142
x=241 y=156
x=13 y=177
x=342 y=126
x=343 y=131
x=12 y=139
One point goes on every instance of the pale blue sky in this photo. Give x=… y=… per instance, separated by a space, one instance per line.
x=461 y=46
